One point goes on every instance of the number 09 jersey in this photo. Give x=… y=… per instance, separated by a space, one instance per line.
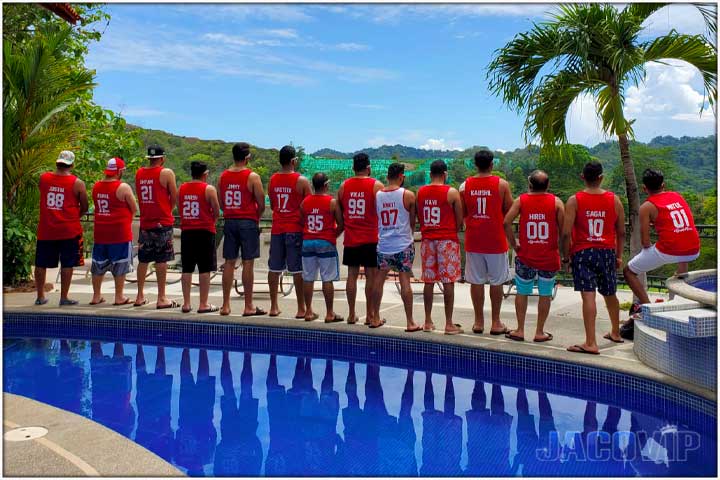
x=437 y=216
x=594 y=225
x=196 y=213
x=394 y=233
x=359 y=214
x=538 y=232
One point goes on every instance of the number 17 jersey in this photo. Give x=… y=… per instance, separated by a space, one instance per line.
x=359 y=215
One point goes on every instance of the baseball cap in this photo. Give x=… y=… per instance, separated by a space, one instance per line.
x=66 y=157
x=114 y=165
x=155 y=151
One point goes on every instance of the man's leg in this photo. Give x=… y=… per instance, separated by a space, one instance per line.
x=120 y=289
x=682 y=268
x=633 y=281
x=589 y=311
x=227 y=281
x=307 y=291
x=407 y=299
x=161 y=273
x=65 y=280
x=543 y=311
x=274 y=283
x=613 y=306
x=299 y=296
x=97 y=288
x=521 y=303
x=248 y=279
x=427 y=304
x=449 y=301
x=496 y=298
x=351 y=291
x=186 y=281
x=477 y=295
x=40 y=275
x=374 y=285
x=141 y=274
x=329 y=293
x=204 y=291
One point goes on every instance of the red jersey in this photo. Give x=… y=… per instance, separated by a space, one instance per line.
x=113 y=217
x=236 y=199
x=359 y=213
x=153 y=199
x=675 y=225
x=285 y=203
x=319 y=218
x=59 y=208
x=594 y=222
x=196 y=213
x=538 y=232
x=484 y=231
x=437 y=216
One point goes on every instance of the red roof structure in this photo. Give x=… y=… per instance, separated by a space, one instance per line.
x=64 y=11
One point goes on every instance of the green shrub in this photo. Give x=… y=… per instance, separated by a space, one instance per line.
x=18 y=249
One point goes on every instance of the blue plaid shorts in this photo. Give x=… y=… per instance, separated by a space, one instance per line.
x=595 y=269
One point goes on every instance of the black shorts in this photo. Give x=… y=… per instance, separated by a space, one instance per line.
x=197 y=248
x=361 y=256
x=241 y=236
x=595 y=268
x=156 y=245
x=69 y=251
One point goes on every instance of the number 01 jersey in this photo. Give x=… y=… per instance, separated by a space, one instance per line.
x=359 y=215
x=196 y=213
x=394 y=233
x=538 y=232
x=437 y=216
x=594 y=225
x=113 y=218
x=319 y=218
x=675 y=225
x=59 y=208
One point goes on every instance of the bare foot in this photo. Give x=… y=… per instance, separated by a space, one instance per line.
x=225 y=310
x=352 y=319
x=428 y=327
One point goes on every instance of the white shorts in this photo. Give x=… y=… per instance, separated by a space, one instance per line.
x=482 y=268
x=320 y=256
x=650 y=258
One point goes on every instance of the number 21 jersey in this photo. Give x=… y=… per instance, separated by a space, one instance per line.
x=359 y=215
x=154 y=199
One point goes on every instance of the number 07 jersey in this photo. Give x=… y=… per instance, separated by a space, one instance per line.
x=437 y=216
x=359 y=215
x=196 y=213
x=538 y=232
x=594 y=225
x=394 y=233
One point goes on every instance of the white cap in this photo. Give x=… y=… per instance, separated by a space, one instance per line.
x=67 y=157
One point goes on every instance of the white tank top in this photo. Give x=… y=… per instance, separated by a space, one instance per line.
x=394 y=234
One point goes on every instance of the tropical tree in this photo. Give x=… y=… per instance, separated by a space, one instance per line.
x=596 y=50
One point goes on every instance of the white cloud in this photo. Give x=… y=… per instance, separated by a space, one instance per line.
x=281 y=13
x=280 y=32
x=288 y=41
x=684 y=18
x=582 y=123
x=388 y=13
x=439 y=144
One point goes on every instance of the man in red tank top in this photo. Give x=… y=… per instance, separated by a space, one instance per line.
x=242 y=200
x=199 y=211
x=322 y=223
x=286 y=190
x=440 y=214
x=115 y=208
x=678 y=240
x=594 y=232
x=63 y=200
x=542 y=215
x=356 y=198
x=486 y=200
x=157 y=197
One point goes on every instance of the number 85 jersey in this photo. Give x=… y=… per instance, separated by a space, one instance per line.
x=436 y=215
x=359 y=214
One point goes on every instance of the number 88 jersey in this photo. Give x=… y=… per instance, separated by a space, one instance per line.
x=59 y=208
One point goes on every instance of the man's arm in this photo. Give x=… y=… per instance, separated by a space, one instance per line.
x=255 y=184
x=170 y=184
x=507 y=199
x=461 y=191
x=81 y=195
x=647 y=212
x=126 y=195
x=510 y=217
x=560 y=220
x=212 y=197
x=570 y=212
x=303 y=187
x=335 y=207
x=377 y=187
x=455 y=199
x=619 y=230
x=339 y=198
x=409 y=203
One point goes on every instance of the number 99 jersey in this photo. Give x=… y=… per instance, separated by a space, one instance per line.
x=538 y=232
x=437 y=217
x=359 y=214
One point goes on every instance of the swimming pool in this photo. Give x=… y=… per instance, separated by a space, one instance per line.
x=229 y=412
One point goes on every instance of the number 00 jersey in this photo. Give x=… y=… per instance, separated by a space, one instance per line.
x=675 y=225
x=319 y=218
x=236 y=199
x=59 y=208
x=594 y=221
x=538 y=232
x=484 y=231
x=113 y=218
x=285 y=203
x=153 y=198
x=196 y=213
x=359 y=215
x=394 y=233
x=437 y=216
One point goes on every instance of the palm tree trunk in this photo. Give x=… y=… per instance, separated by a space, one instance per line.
x=633 y=199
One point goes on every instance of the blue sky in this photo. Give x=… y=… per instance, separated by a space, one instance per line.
x=352 y=76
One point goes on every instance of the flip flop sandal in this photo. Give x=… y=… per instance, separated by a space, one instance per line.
x=500 y=332
x=455 y=332
x=608 y=337
x=278 y=314
x=213 y=308
x=416 y=329
x=427 y=330
x=548 y=337
x=144 y=302
x=172 y=304
x=517 y=338
x=580 y=349
x=314 y=317
x=41 y=301
x=383 y=322
x=478 y=331
x=335 y=319
x=125 y=302
x=376 y=326
x=67 y=301
x=258 y=312
x=102 y=300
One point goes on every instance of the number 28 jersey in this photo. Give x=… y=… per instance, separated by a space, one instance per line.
x=236 y=199
x=319 y=218
x=538 y=232
x=359 y=215
x=437 y=216
x=196 y=213
x=594 y=222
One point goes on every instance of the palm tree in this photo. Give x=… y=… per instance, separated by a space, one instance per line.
x=40 y=83
x=593 y=49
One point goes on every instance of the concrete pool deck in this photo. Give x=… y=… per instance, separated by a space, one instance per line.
x=80 y=436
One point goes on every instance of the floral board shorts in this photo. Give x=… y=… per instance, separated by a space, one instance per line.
x=400 y=262
x=440 y=261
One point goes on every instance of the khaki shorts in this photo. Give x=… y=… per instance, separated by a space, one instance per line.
x=482 y=268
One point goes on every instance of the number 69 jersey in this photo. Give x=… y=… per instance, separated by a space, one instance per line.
x=59 y=208
x=113 y=218
x=538 y=232
x=437 y=217
x=236 y=199
x=195 y=211
x=594 y=225
x=359 y=215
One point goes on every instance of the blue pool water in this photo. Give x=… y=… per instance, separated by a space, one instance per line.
x=212 y=412
x=708 y=284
